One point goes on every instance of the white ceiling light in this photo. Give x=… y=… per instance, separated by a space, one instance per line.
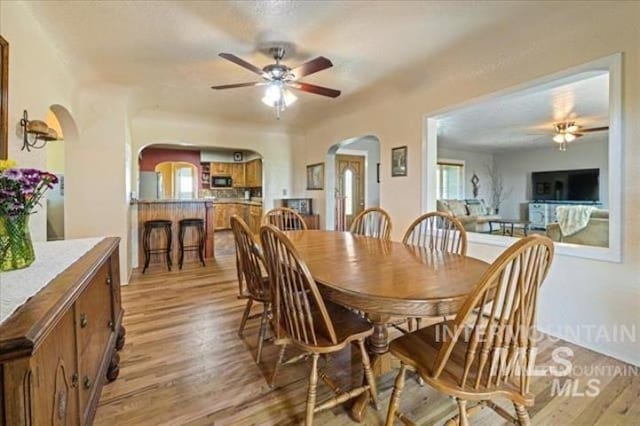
x=278 y=97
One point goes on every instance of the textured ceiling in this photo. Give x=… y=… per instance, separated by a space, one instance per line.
x=525 y=119
x=167 y=50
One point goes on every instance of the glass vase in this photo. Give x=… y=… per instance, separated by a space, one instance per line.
x=16 y=248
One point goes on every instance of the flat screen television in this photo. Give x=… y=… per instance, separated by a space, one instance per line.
x=566 y=185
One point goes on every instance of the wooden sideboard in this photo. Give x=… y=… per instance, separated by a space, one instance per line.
x=60 y=347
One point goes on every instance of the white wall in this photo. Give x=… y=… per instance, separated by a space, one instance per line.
x=578 y=291
x=474 y=162
x=516 y=169
x=96 y=179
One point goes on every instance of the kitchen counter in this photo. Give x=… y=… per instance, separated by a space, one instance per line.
x=202 y=200
x=237 y=201
x=174 y=210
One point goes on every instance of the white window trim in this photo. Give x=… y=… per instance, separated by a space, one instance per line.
x=612 y=64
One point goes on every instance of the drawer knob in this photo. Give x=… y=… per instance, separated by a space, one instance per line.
x=87 y=382
x=109 y=280
x=83 y=320
x=74 y=380
x=110 y=324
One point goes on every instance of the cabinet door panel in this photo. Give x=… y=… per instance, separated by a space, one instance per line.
x=54 y=369
x=94 y=325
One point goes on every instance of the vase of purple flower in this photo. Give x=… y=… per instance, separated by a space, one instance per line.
x=20 y=193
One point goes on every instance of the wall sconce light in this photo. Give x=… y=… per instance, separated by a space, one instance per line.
x=35 y=133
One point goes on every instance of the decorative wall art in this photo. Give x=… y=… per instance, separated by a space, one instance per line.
x=315 y=176
x=399 y=161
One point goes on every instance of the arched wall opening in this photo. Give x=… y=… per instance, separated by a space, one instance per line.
x=151 y=155
x=58 y=118
x=366 y=146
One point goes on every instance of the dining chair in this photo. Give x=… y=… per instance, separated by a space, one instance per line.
x=284 y=219
x=305 y=321
x=250 y=263
x=489 y=349
x=372 y=222
x=437 y=231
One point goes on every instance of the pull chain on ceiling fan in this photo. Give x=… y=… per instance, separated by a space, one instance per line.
x=280 y=78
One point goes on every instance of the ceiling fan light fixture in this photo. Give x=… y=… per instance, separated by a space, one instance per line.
x=559 y=138
x=569 y=137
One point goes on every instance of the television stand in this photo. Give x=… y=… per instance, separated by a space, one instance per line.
x=542 y=213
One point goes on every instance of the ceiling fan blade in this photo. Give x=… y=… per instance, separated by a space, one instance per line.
x=236 y=85
x=318 y=64
x=312 y=88
x=244 y=64
x=595 y=129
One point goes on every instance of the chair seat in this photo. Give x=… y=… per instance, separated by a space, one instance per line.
x=420 y=348
x=348 y=326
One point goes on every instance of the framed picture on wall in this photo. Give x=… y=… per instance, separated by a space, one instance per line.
x=399 y=161
x=315 y=176
x=4 y=98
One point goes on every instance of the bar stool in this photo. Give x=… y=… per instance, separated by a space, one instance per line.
x=199 y=246
x=149 y=226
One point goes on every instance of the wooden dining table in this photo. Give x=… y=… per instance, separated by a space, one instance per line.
x=386 y=279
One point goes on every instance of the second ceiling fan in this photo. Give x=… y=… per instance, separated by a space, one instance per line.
x=279 y=78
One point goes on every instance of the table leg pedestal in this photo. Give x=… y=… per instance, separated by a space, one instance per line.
x=380 y=362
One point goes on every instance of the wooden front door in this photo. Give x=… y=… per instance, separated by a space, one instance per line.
x=351 y=184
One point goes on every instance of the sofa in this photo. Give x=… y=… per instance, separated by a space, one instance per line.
x=595 y=234
x=473 y=214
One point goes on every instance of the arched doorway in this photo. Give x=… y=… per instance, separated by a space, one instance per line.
x=59 y=119
x=353 y=179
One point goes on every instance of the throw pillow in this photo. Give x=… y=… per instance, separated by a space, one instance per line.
x=458 y=208
x=476 y=209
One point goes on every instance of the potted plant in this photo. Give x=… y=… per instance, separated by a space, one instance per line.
x=20 y=194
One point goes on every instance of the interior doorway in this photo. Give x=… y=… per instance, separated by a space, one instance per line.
x=57 y=152
x=350 y=179
x=353 y=180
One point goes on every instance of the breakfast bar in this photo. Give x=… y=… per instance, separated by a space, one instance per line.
x=174 y=211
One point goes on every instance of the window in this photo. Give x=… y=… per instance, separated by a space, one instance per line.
x=184 y=182
x=450 y=181
x=348 y=192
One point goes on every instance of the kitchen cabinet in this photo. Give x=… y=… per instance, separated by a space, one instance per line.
x=238 y=175
x=60 y=347
x=255 y=217
x=221 y=169
x=223 y=214
x=253 y=173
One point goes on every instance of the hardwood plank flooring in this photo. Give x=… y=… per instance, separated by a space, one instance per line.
x=183 y=363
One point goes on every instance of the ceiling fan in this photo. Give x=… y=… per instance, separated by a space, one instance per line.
x=279 y=78
x=567 y=131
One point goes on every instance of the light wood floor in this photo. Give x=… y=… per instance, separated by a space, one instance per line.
x=183 y=363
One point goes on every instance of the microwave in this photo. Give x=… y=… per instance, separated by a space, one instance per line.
x=221 y=182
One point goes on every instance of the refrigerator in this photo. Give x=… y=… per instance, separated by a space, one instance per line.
x=151 y=186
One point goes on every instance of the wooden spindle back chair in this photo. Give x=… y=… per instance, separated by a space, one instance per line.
x=250 y=264
x=437 y=231
x=372 y=222
x=285 y=219
x=488 y=350
x=303 y=319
